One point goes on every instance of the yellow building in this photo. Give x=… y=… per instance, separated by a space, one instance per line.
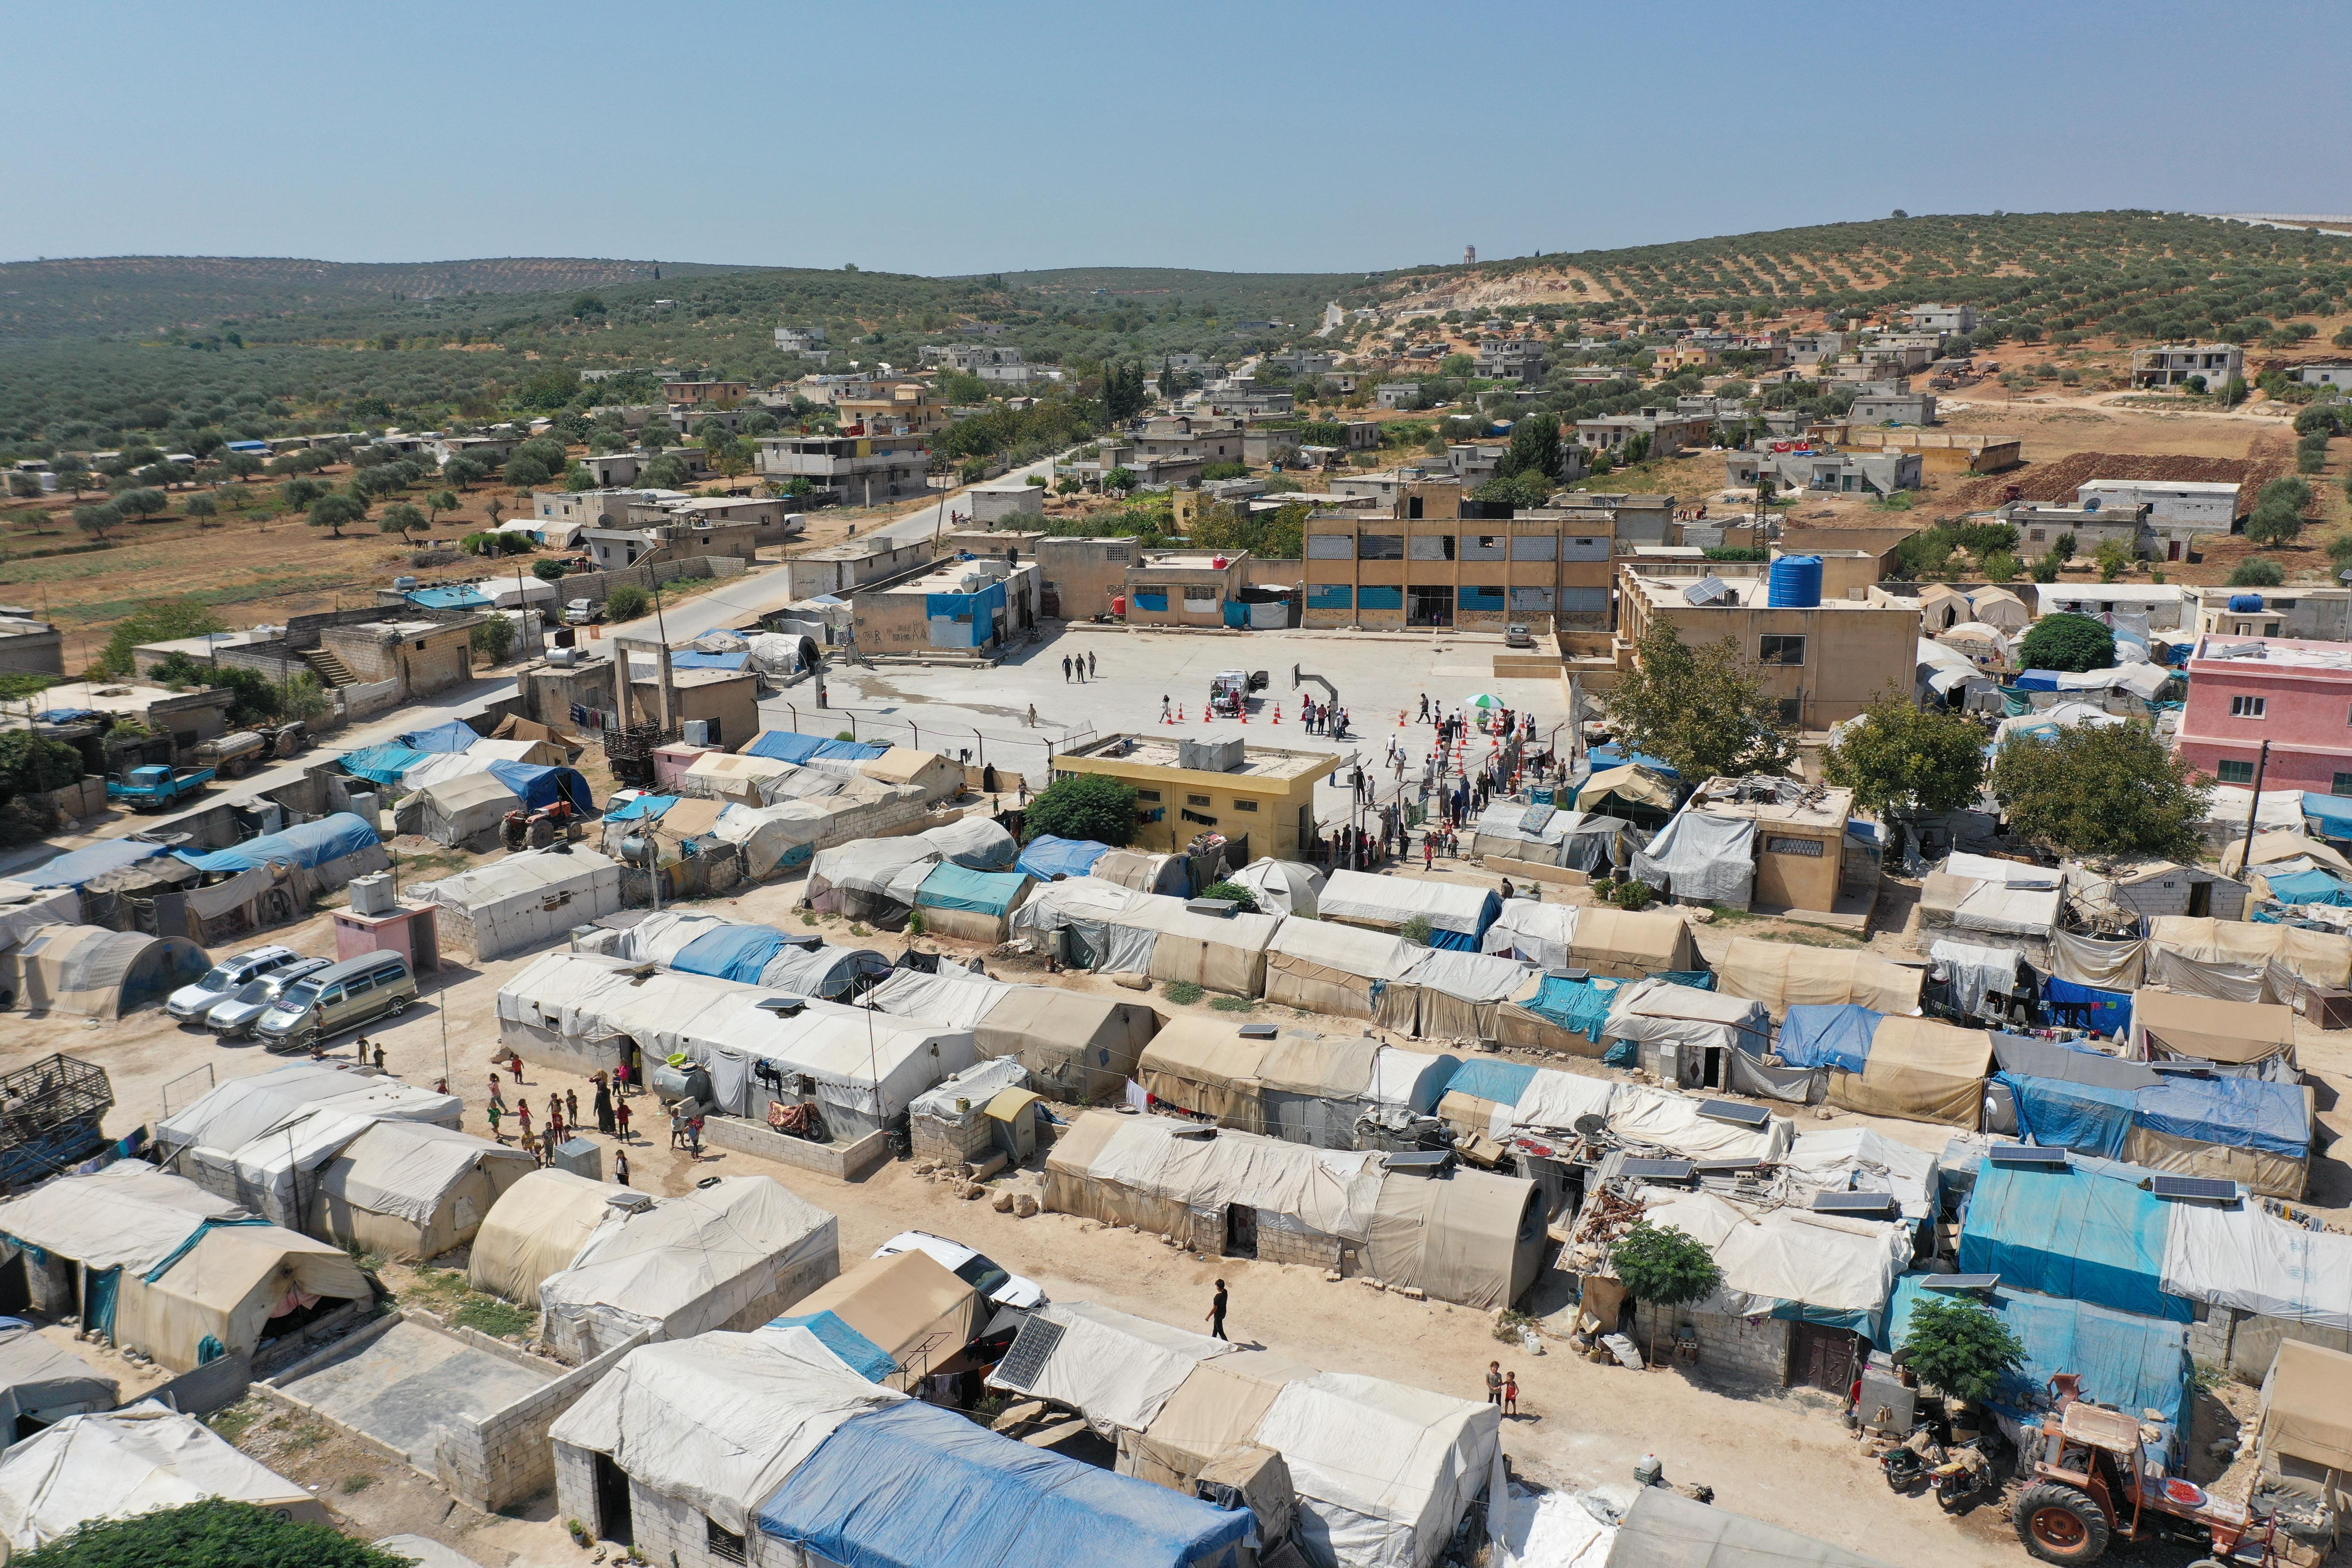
x=1186 y=788
x=893 y=408
x=1825 y=662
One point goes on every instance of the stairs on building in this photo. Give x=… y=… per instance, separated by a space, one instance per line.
x=330 y=668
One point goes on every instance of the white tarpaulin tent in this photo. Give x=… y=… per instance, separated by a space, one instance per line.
x=722 y=1257
x=245 y=1110
x=536 y=1230
x=1701 y=857
x=1322 y=967
x=2255 y=1262
x=867 y=1068
x=954 y=998
x=835 y=812
x=718 y=1422
x=1856 y=1160
x=1671 y=1121
x=523 y=900
x=1782 y=975
x=584 y=1002
x=1119 y=928
x=1115 y=1369
x=1831 y=1262
x=1461 y=993
x=1625 y=945
x=1549 y=1530
x=1282 y=887
x=1385 y=903
x=1382 y=1471
x=124 y=1463
x=1660 y=1013
x=48 y=1382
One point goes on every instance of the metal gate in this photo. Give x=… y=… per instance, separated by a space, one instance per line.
x=1822 y=1357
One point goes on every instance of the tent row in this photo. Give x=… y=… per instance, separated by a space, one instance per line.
x=1292 y=1084
x=957 y=877
x=1076 y=1048
x=694 y=941
x=526 y=899
x=758 y=776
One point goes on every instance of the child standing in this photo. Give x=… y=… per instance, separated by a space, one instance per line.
x=496 y=1111
x=1510 y=1394
x=620 y=1120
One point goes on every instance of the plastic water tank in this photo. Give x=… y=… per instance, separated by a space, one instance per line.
x=1795 y=583
x=2246 y=604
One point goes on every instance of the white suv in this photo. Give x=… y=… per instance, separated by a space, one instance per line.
x=224 y=980
x=976 y=1269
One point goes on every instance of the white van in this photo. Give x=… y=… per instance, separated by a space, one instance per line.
x=343 y=996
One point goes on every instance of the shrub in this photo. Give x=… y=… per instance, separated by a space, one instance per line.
x=214 y=1534
x=2069 y=643
x=1183 y=993
x=1663 y=1266
x=1240 y=896
x=1633 y=894
x=548 y=570
x=1417 y=930
x=2257 y=571
x=1084 y=806
x=627 y=602
x=494 y=639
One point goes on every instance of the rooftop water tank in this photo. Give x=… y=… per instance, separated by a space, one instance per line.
x=2246 y=604
x=1795 y=583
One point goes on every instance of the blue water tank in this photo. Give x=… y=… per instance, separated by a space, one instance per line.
x=2246 y=604
x=1795 y=583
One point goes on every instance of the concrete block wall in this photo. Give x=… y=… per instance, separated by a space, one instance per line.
x=506 y=1456
x=665 y=1529
x=936 y=1137
x=1730 y=1349
x=1282 y=1240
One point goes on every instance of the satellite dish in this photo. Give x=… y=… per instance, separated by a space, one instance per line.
x=1590 y=1125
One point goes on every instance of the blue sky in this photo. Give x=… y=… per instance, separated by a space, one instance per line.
x=945 y=138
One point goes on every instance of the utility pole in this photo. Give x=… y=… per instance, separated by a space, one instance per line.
x=2254 y=810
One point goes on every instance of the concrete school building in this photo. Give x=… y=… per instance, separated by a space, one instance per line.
x=1264 y=795
x=1437 y=560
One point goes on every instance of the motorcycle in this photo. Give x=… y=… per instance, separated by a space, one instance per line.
x=1964 y=1473
x=1911 y=1460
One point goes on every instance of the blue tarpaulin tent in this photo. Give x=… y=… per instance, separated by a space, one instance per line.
x=643 y=805
x=735 y=661
x=1579 y=1007
x=2126 y=1359
x=1502 y=1082
x=784 y=746
x=77 y=867
x=383 y=764
x=462 y=597
x=2312 y=886
x=954 y=887
x=863 y=1356
x=2070 y=1233
x=305 y=844
x=2236 y=1113
x=2038 y=680
x=456 y=735
x=913 y=1486
x=2088 y=1118
x=2087 y=1007
x=2331 y=814
x=1837 y=1036
x=539 y=785
x=731 y=952
x=1606 y=757
x=1047 y=856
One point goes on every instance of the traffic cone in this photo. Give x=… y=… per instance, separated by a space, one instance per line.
x=1278 y=712
x=1400 y=718
x=1241 y=708
x=1180 y=712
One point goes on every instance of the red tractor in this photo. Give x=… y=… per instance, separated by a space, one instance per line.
x=2094 y=1484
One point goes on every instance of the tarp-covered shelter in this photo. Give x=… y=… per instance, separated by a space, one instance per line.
x=522 y=901
x=713 y=1423
x=2246 y=961
x=2126 y=1359
x=790 y=832
x=729 y=1256
x=93 y=972
x=1858 y=1160
x=1626 y=943
x=45 y=1382
x=873 y=880
x=1580 y=840
x=914 y=1485
x=1919 y=1070
x=1640 y=793
x=2250 y=1131
x=1458 y=915
x=2305 y=1432
x=1345 y=970
x=1789 y=1262
x=77 y=867
x=1460 y=995
x=244 y=1110
x=333 y=849
x=909 y=1306
x=1116 y=1370
x=1146 y=872
x=1783 y=975
x=1686 y=1024
x=940 y=778
x=2170 y=1026
x=466 y=810
x=865 y=1068
x=975 y=843
x=1204 y=1065
x=1113 y=928
x=733 y=776
x=1046 y=857
x=1701 y=857
x=452 y=735
x=535 y=1230
x=1836 y=1036
x=1282 y=887
x=1075 y=1047
x=2242 y=1258
x=1665 y=1530
x=175 y=1271
x=124 y=1463
x=2073 y=1234
x=957 y=902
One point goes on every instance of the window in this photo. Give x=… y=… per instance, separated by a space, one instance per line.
x=390 y=976
x=2248 y=707
x=1531 y=601
x=1484 y=546
x=2343 y=784
x=1430 y=547
x=2037 y=534
x=1777 y=649
x=1196 y=800
x=2236 y=772
x=1534 y=547
x=1810 y=849
x=723 y=1544
x=1329 y=596
x=1381 y=547
x=1201 y=817
x=1330 y=547
x=1146 y=795
x=1478 y=597
x=1792 y=709
x=359 y=985
x=2269 y=628
x=1244 y=805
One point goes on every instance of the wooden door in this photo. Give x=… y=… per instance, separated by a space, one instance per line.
x=1822 y=1357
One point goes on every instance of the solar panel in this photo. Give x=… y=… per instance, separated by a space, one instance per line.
x=1258 y=1031
x=1427 y=1162
x=2028 y=1156
x=1031 y=1348
x=1751 y=1116
x=1578 y=975
x=1860 y=1205
x=1727 y=1167
x=2195 y=1189
x=1958 y=1281
x=1656 y=1170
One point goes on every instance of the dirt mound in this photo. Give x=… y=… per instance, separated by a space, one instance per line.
x=2058 y=480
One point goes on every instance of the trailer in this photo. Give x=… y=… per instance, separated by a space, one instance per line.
x=51 y=1114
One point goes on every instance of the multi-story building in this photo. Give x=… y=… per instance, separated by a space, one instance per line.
x=1669 y=431
x=963 y=606
x=1435 y=561
x=2323 y=615
x=1892 y=408
x=1943 y=317
x=1823 y=662
x=1512 y=359
x=701 y=391
x=1398 y=394
x=1207 y=437
x=2172 y=365
x=891 y=408
x=2181 y=513
x=1264 y=795
x=850 y=470
x=2295 y=694
x=807 y=341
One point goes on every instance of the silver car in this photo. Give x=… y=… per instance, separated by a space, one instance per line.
x=235 y=1017
x=224 y=980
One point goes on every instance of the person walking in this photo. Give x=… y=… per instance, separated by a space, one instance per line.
x=1217 y=1312
x=1495 y=1384
x=1428 y=849
x=497 y=1096
x=522 y=1114
x=621 y=1166
x=1425 y=709
x=1091 y=672
x=1066 y=670
x=1033 y=715
x=496 y=1111
x=694 y=1137
x=531 y=1145
x=603 y=1109
x=1165 y=710
x=621 y=1120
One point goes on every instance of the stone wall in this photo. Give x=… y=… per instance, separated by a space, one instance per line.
x=843 y=1161
x=1753 y=1351
x=506 y=1456
x=599 y=585
x=666 y=1529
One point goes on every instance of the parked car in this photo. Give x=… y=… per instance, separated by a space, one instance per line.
x=622 y=797
x=977 y=1269
x=341 y=996
x=582 y=613
x=237 y=1016
x=1516 y=635
x=225 y=980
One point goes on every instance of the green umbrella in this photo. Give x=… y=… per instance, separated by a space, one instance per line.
x=1486 y=700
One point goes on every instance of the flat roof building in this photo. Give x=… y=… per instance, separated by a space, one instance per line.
x=965 y=607
x=1186 y=788
x=1825 y=662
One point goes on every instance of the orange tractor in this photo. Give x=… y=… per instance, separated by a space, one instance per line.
x=2094 y=1484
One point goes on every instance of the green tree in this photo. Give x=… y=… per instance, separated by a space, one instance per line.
x=465 y=472
x=144 y=503
x=1960 y=1348
x=240 y=466
x=1533 y=449
x=1637 y=448
x=1083 y=805
x=665 y=473
x=627 y=602
x=1663 y=1266
x=2066 y=642
x=1903 y=758
x=2257 y=571
x=2110 y=789
x=24 y=487
x=403 y=519
x=2114 y=558
x=214 y=1534
x=2277 y=516
x=337 y=511
x=1122 y=479
x=1701 y=709
x=200 y=508
x=157 y=620
x=299 y=493
x=548 y=570
x=438 y=502
x=494 y=638
x=2000 y=566
x=96 y=519
x=524 y=472
x=1522 y=491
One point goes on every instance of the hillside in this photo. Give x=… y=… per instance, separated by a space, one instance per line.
x=147 y=295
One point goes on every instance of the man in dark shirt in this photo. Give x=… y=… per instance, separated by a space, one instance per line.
x=1217 y=1312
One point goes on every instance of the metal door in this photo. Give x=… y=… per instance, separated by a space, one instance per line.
x=1821 y=1357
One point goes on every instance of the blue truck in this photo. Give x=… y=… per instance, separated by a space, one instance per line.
x=155 y=787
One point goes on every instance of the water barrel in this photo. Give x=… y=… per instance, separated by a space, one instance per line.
x=1795 y=583
x=2246 y=604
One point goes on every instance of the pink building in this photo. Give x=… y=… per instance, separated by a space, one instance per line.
x=2296 y=695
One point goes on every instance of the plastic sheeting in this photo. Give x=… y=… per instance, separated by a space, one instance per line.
x=1622 y=942
x=535 y=1230
x=455 y=735
x=1663 y=1119
x=785 y=746
x=1701 y=857
x=123 y=1463
x=2091 y=961
x=308 y=844
x=245 y=1110
x=860 y=1354
x=2252 y=1261
x=918 y=1487
x=718 y=1422
x=975 y=843
x=1382 y=1471
x=77 y=866
x=1782 y=975
x=1665 y=1530
x=1047 y=856
x=1856 y=1160
x=1458 y=916
x=866 y=1067
x=36 y=1376
x=1115 y=1369
x=525 y=899
x=2294 y=958
x=2306 y=1396
x=1837 y=1036
x=2166 y=1025
x=383 y=764
x=2124 y=1360
x=1977 y=973
x=2073 y=1233
x=1657 y=1012
x=953 y=887
x=909 y=1306
x=1282 y=887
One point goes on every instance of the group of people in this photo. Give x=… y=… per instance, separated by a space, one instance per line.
x=1083 y=664
x=1324 y=718
x=611 y=1110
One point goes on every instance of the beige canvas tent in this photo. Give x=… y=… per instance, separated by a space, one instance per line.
x=1077 y=1047
x=93 y=972
x=1919 y=1070
x=1218 y=1406
x=1344 y=970
x=120 y=1464
x=1201 y=1064
x=535 y=1229
x=2166 y=1025
x=1782 y=975
x=938 y=778
x=2305 y=1435
x=732 y=776
x=1144 y=872
x=2246 y=960
x=411 y=1191
x=1622 y=944
x=464 y=810
x=909 y=1306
